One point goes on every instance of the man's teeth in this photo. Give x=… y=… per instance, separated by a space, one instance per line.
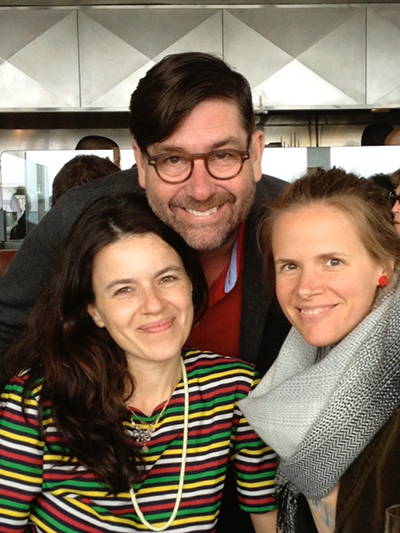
x=202 y=213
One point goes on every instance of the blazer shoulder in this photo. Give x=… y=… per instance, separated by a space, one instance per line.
x=268 y=188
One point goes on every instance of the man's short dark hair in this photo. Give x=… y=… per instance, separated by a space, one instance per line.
x=175 y=86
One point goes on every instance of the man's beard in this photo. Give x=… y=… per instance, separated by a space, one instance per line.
x=207 y=236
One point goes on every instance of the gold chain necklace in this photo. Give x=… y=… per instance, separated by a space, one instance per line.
x=143 y=435
x=183 y=465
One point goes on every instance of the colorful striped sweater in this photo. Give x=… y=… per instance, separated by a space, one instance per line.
x=41 y=492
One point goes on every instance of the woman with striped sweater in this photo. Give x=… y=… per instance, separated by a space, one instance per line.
x=107 y=423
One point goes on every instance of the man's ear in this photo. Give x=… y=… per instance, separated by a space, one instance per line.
x=256 y=152
x=140 y=164
x=93 y=312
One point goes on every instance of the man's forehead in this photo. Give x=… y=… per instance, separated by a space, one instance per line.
x=210 y=125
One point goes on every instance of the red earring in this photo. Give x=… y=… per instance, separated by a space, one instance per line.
x=383 y=281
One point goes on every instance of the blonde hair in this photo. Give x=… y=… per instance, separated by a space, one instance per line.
x=365 y=203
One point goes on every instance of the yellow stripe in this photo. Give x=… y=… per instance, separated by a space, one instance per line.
x=17 y=398
x=187 y=486
x=13 y=437
x=20 y=477
x=119 y=520
x=15 y=514
x=224 y=374
x=255 y=484
x=191 y=451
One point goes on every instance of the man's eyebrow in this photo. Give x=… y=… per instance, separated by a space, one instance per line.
x=166 y=147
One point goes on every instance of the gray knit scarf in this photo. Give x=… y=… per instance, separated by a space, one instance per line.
x=318 y=409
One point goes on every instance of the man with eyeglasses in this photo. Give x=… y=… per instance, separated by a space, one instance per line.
x=198 y=158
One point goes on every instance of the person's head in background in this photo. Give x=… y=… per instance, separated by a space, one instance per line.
x=394 y=197
x=382 y=180
x=79 y=170
x=393 y=138
x=329 y=239
x=375 y=134
x=194 y=104
x=98 y=142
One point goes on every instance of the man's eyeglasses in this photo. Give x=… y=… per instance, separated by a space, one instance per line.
x=394 y=197
x=177 y=167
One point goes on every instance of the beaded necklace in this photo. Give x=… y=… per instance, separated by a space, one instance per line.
x=183 y=464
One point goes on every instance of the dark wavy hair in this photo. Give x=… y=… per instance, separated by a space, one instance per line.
x=85 y=372
x=365 y=203
x=173 y=87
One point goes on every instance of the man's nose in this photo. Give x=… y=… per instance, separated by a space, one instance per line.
x=200 y=185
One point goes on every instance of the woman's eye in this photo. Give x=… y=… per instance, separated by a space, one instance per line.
x=123 y=290
x=334 y=262
x=289 y=266
x=168 y=279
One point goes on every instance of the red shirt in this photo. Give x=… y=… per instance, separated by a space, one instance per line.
x=219 y=328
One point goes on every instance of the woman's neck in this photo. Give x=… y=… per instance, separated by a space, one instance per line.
x=154 y=382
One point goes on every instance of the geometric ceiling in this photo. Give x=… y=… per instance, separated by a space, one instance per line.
x=293 y=56
x=126 y=43
x=289 y=64
x=383 y=72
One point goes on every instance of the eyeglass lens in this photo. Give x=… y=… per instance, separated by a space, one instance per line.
x=220 y=164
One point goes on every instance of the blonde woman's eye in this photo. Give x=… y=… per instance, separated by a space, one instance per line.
x=333 y=261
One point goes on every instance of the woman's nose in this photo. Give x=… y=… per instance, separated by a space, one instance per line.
x=309 y=284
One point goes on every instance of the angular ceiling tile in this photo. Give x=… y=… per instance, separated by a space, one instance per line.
x=21 y=91
x=392 y=99
x=207 y=37
x=340 y=57
x=101 y=48
x=300 y=87
x=389 y=13
x=58 y=72
x=383 y=51
x=118 y=97
x=251 y=54
x=151 y=31
x=19 y=27
x=294 y=29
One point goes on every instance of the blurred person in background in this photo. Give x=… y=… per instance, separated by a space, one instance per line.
x=375 y=134
x=79 y=170
x=98 y=142
x=394 y=197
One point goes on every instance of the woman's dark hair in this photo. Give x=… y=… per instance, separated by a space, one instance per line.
x=175 y=86
x=85 y=372
x=365 y=203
